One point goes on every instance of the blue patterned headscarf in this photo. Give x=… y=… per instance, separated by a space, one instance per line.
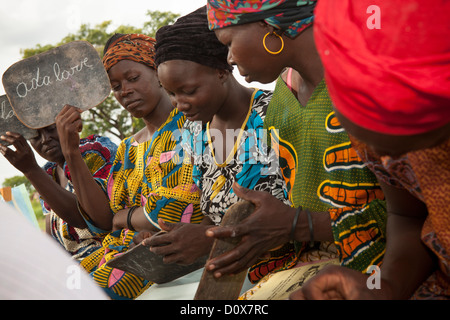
x=290 y=16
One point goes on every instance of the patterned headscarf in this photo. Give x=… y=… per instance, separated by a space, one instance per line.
x=136 y=47
x=189 y=38
x=290 y=16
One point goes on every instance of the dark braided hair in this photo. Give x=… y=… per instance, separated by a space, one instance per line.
x=189 y=38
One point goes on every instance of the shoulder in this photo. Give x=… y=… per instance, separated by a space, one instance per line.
x=50 y=168
x=141 y=136
x=97 y=142
x=175 y=121
x=262 y=96
x=127 y=143
x=261 y=99
x=259 y=104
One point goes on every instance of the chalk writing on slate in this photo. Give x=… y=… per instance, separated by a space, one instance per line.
x=38 y=87
x=9 y=122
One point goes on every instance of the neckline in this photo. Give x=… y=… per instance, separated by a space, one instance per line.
x=169 y=118
x=288 y=84
x=236 y=144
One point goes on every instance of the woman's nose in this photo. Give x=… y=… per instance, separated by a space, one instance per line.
x=126 y=89
x=44 y=135
x=230 y=58
x=181 y=105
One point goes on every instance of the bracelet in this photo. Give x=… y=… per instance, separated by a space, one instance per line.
x=130 y=213
x=294 y=223
x=311 y=230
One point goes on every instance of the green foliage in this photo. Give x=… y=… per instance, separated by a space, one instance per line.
x=37 y=207
x=109 y=118
x=17 y=181
x=34 y=199
x=26 y=53
x=157 y=20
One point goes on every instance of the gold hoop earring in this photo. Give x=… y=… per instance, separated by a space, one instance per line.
x=273 y=52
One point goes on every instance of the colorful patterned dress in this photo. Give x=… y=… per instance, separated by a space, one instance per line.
x=98 y=153
x=426 y=175
x=251 y=164
x=323 y=173
x=151 y=175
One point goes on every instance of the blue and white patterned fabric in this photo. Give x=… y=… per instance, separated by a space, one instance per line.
x=251 y=163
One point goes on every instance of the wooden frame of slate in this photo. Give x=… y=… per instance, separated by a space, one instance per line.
x=9 y=122
x=38 y=87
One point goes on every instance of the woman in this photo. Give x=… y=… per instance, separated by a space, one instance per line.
x=147 y=181
x=224 y=126
x=404 y=137
x=340 y=211
x=54 y=183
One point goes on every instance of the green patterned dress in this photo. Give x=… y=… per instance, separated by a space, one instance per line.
x=323 y=173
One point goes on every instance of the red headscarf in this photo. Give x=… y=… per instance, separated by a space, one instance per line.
x=387 y=63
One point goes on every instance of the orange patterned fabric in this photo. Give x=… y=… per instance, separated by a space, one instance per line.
x=426 y=175
x=432 y=170
x=136 y=47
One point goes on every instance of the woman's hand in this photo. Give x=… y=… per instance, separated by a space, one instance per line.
x=69 y=124
x=181 y=243
x=341 y=283
x=141 y=236
x=22 y=158
x=267 y=227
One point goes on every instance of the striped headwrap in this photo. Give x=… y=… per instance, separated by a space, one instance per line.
x=136 y=47
x=290 y=16
x=189 y=38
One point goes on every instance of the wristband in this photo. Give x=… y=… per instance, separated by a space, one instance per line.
x=294 y=223
x=311 y=230
x=130 y=213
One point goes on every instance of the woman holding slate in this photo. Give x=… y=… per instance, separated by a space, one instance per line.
x=223 y=133
x=147 y=180
x=54 y=184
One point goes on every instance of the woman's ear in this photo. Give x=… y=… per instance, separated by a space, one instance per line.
x=223 y=75
x=267 y=27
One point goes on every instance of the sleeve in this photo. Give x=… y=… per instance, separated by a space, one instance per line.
x=192 y=143
x=174 y=197
x=360 y=234
x=99 y=154
x=260 y=168
x=92 y=228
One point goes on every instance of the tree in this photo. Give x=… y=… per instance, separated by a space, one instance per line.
x=109 y=118
x=17 y=181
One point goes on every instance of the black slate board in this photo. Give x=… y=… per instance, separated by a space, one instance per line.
x=143 y=263
x=38 y=87
x=9 y=122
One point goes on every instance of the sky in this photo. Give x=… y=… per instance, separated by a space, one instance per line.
x=27 y=23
